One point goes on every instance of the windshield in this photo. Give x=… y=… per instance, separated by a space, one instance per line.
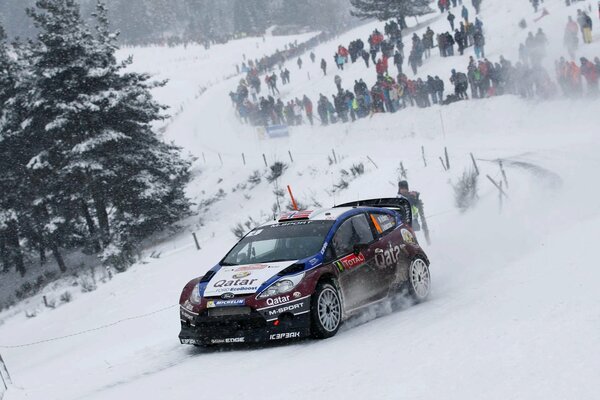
x=285 y=241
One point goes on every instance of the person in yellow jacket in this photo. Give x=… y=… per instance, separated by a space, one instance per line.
x=416 y=204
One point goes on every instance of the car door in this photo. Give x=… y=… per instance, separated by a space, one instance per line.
x=389 y=258
x=356 y=271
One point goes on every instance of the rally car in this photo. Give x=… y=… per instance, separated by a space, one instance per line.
x=306 y=272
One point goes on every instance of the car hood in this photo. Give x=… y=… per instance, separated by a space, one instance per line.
x=243 y=279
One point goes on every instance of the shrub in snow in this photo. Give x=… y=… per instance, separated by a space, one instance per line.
x=465 y=191
x=238 y=230
x=341 y=185
x=119 y=256
x=255 y=178
x=66 y=297
x=87 y=285
x=276 y=170
x=357 y=169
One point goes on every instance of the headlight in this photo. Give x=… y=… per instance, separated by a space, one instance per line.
x=195 y=297
x=283 y=285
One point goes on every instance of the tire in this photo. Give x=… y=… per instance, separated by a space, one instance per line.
x=419 y=280
x=325 y=311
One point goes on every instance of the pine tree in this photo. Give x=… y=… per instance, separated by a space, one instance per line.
x=388 y=9
x=94 y=148
x=11 y=151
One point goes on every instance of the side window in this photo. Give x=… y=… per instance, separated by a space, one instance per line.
x=352 y=231
x=383 y=222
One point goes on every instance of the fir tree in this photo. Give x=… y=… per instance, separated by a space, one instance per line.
x=93 y=146
x=388 y=9
x=11 y=155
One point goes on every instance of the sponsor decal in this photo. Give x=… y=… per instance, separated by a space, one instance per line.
x=407 y=236
x=228 y=340
x=225 y=303
x=351 y=261
x=295 y=215
x=277 y=300
x=187 y=305
x=186 y=315
x=241 y=275
x=296 y=295
x=288 y=308
x=313 y=261
x=228 y=295
x=324 y=247
x=387 y=257
x=286 y=335
x=251 y=267
x=291 y=223
x=189 y=341
x=233 y=283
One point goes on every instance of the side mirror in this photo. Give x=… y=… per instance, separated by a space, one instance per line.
x=359 y=247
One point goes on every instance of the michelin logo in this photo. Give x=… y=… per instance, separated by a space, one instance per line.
x=225 y=303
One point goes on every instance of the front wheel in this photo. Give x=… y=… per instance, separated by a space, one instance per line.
x=326 y=311
x=419 y=280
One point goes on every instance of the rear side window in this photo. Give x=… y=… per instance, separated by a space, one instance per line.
x=352 y=231
x=383 y=222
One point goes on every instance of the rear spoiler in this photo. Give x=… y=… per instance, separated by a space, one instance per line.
x=399 y=204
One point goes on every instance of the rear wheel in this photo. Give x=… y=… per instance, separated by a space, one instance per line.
x=326 y=311
x=419 y=280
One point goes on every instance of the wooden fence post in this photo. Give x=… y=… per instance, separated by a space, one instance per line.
x=196 y=241
x=474 y=164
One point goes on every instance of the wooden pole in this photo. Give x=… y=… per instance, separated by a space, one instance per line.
x=423 y=154
x=443 y=165
x=265 y=160
x=244 y=158
x=474 y=164
x=334 y=156
x=290 y=154
x=503 y=173
x=402 y=170
x=221 y=159
x=196 y=241
x=497 y=186
x=447 y=158
x=372 y=162
x=292 y=197
x=4 y=373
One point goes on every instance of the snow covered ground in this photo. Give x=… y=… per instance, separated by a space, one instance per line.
x=514 y=312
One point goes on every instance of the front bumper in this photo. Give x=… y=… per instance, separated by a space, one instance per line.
x=246 y=325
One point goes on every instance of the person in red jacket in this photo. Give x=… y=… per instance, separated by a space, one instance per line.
x=382 y=66
x=308 y=108
x=588 y=70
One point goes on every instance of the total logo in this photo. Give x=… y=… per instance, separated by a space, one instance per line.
x=352 y=260
x=388 y=257
x=286 y=335
x=278 y=300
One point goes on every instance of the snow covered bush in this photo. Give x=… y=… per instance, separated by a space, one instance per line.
x=465 y=191
x=66 y=297
x=276 y=170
